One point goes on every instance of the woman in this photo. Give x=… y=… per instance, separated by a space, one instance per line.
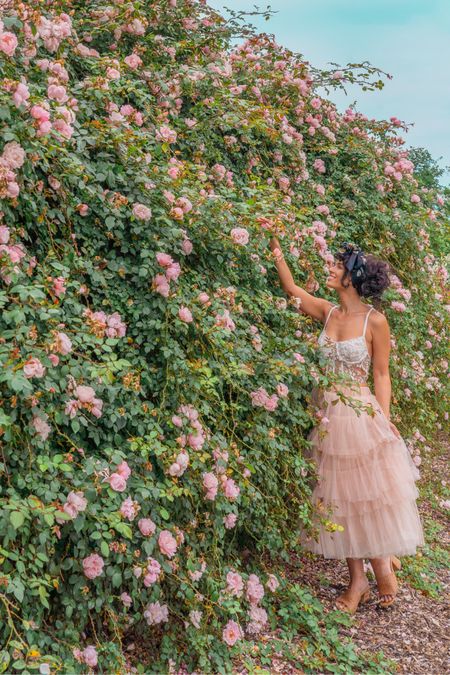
x=366 y=475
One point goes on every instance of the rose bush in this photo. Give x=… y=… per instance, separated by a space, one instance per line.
x=155 y=383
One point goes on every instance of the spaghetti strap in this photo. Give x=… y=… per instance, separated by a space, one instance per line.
x=365 y=321
x=328 y=316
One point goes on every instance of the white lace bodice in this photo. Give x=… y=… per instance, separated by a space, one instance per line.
x=349 y=357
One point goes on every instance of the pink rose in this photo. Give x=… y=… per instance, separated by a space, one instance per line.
x=13 y=155
x=83 y=209
x=4 y=234
x=57 y=93
x=142 y=212
x=167 y=543
x=187 y=246
x=235 y=584
x=210 y=484
x=123 y=470
x=319 y=165
x=185 y=315
x=112 y=73
x=240 y=236
x=133 y=61
x=93 y=566
x=128 y=509
x=63 y=344
x=8 y=43
x=156 y=613
x=203 y=297
x=164 y=259
x=161 y=285
x=59 y=286
x=33 y=368
x=85 y=394
x=146 y=526
x=89 y=656
x=39 y=113
x=230 y=520
x=282 y=390
x=173 y=271
x=21 y=95
x=255 y=590
x=231 y=490
x=272 y=583
x=41 y=427
x=231 y=633
x=117 y=482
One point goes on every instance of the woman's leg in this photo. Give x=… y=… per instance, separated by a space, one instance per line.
x=358 y=579
x=381 y=566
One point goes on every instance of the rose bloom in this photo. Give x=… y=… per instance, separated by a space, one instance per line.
x=13 y=155
x=85 y=394
x=33 y=368
x=133 y=61
x=230 y=520
x=117 y=482
x=185 y=315
x=235 y=584
x=146 y=526
x=240 y=235
x=231 y=633
x=282 y=390
x=8 y=43
x=167 y=543
x=4 y=234
x=142 y=212
x=255 y=589
x=164 y=259
x=63 y=345
x=272 y=583
x=93 y=565
x=203 y=297
x=123 y=470
x=89 y=656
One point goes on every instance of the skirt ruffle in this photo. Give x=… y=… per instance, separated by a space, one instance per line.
x=366 y=476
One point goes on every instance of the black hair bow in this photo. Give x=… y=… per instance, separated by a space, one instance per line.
x=357 y=260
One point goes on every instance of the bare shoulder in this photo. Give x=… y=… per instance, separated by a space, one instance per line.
x=377 y=320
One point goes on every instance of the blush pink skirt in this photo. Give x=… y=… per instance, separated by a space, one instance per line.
x=366 y=476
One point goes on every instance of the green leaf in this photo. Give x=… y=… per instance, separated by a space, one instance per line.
x=4 y=660
x=116 y=579
x=17 y=519
x=104 y=548
x=164 y=513
x=49 y=519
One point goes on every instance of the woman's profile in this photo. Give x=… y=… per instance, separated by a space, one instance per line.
x=366 y=475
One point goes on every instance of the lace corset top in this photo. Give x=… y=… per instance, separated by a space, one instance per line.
x=349 y=357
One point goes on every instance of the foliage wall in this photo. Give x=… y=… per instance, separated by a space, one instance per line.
x=155 y=381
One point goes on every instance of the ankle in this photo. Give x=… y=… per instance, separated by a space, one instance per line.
x=358 y=579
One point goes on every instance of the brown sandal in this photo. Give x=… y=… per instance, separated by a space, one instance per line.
x=388 y=584
x=351 y=599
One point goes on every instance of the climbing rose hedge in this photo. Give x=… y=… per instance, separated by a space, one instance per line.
x=155 y=382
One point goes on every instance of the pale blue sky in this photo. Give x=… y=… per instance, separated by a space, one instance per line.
x=409 y=39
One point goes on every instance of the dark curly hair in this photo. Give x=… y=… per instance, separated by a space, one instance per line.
x=373 y=279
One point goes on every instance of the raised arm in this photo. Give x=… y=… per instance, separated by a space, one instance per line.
x=315 y=307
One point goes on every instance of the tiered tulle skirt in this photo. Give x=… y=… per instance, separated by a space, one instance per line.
x=367 y=477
